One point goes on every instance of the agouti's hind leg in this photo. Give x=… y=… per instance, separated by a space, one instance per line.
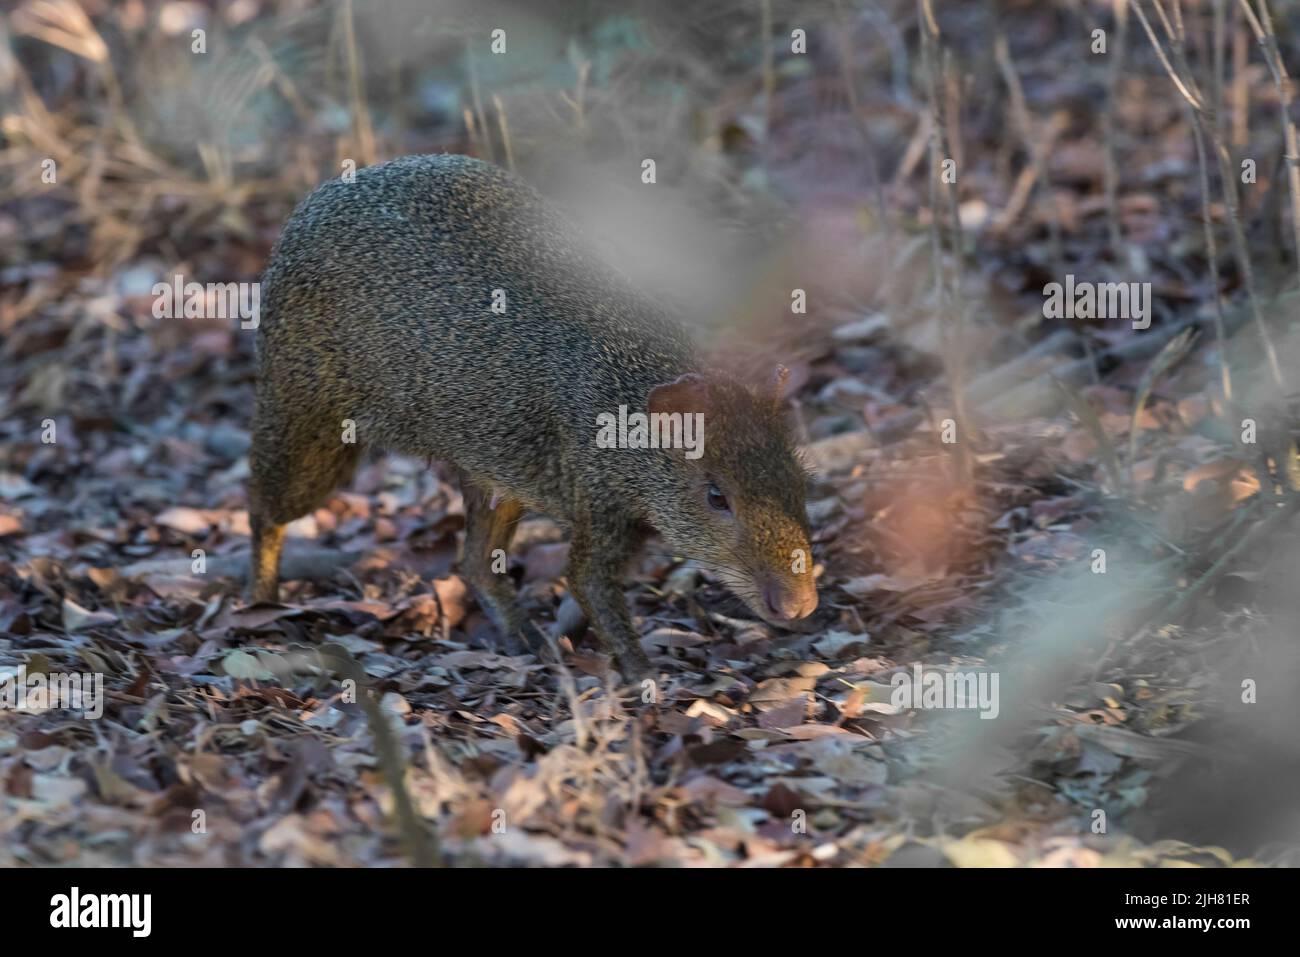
x=489 y=527
x=294 y=469
x=268 y=540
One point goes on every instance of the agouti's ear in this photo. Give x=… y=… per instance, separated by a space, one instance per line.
x=686 y=393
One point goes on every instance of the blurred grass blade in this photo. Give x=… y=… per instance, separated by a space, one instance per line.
x=62 y=23
x=1174 y=351
x=1087 y=417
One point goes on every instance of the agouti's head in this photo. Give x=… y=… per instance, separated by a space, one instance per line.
x=738 y=503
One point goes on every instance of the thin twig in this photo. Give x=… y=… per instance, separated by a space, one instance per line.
x=947 y=281
x=1111 y=169
x=1186 y=85
x=361 y=129
x=505 y=132
x=769 y=70
x=421 y=845
x=868 y=147
x=1262 y=26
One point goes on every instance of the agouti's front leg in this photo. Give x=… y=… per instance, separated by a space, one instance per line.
x=489 y=527
x=598 y=553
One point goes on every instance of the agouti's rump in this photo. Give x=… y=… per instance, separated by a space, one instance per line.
x=438 y=307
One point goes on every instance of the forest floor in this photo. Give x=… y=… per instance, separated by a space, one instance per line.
x=1077 y=561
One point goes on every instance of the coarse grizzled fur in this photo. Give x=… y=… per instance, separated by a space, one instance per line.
x=377 y=311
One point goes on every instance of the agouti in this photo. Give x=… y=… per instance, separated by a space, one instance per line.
x=438 y=307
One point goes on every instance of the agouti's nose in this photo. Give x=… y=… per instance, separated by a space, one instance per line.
x=788 y=604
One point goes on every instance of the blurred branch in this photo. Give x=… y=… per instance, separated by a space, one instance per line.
x=1037 y=145
x=1185 y=83
x=420 y=845
x=1227 y=554
x=947 y=281
x=1111 y=170
x=868 y=147
x=477 y=125
x=1212 y=256
x=1174 y=351
x=1091 y=422
x=313 y=565
x=505 y=132
x=769 y=72
x=362 y=131
x=1262 y=26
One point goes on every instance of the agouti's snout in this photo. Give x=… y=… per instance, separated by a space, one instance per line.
x=786 y=602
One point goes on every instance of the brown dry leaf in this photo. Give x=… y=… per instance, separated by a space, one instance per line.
x=189 y=521
x=777 y=690
x=706 y=789
x=1079 y=446
x=253 y=617
x=546 y=562
x=907 y=578
x=786 y=715
x=76 y=618
x=473 y=659
x=714 y=713
x=1138 y=747
x=520 y=847
x=834 y=644
x=645 y=846
x=57 y=791
x=1220 y=470
x=300 y=837
x=979 y=852
x=453 y=599
x=807 y=732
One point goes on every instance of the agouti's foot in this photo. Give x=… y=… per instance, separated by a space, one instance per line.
x=634 y=665
x=509 y=643
x=526 y=638
x=256 y=594
x=532 y=637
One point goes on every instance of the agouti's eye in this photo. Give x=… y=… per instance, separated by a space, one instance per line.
x=718 y=501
